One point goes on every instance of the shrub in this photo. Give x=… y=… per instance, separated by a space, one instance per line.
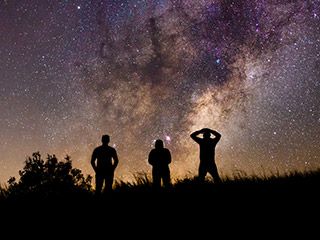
x=49 y=177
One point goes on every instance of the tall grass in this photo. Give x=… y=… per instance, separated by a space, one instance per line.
x=296 y=182
x=238 y=181
x=142 y=182
x=3 y=192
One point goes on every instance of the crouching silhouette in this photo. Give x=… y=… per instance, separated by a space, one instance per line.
x=160 y=158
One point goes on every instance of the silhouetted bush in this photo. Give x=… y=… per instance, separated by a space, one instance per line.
x=48 y=178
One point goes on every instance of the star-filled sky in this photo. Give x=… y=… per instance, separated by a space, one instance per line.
x=140 y=70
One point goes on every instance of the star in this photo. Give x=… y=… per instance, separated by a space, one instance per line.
x=144 y=70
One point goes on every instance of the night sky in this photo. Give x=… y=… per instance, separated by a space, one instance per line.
x=140 y=70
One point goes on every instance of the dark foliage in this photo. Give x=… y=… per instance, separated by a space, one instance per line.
x=48 y=178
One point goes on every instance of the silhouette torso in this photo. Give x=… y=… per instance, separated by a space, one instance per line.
x=207 y=149
x=104 y=155
x=160 y=158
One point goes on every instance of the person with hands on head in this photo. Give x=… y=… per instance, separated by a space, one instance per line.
x=207 y=153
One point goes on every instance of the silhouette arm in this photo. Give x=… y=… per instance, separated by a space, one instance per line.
x=93 y=160
x=150 y=158
x=216 y=134
x=115 y=160
x=195 y=134
x=169 y=157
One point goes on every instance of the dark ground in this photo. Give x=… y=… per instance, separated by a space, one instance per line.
x=242 y=207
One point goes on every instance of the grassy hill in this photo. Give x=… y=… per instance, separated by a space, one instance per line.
x=295 y=185
x=49 y=186
x=241 y=202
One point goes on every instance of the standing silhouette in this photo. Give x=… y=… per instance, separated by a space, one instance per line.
x=104 y=161
x=160 y=158
x=207 y=153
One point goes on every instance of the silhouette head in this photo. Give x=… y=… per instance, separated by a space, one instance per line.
x=158 y=144
x=206 y=134
x=105 y=139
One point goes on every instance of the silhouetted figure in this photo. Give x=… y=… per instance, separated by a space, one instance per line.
x=160 y=158
x=104 y=161
x=207 y=153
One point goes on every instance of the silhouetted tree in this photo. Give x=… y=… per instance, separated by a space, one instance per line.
x=47 y=178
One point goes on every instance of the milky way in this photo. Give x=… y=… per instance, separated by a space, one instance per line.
x=143 y=70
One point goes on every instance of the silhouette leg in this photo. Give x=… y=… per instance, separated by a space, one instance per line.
x=108 y=183
x=99 y=184
x=214 y=173
x=156 y=179
x=202 y=172
x=166 y=179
